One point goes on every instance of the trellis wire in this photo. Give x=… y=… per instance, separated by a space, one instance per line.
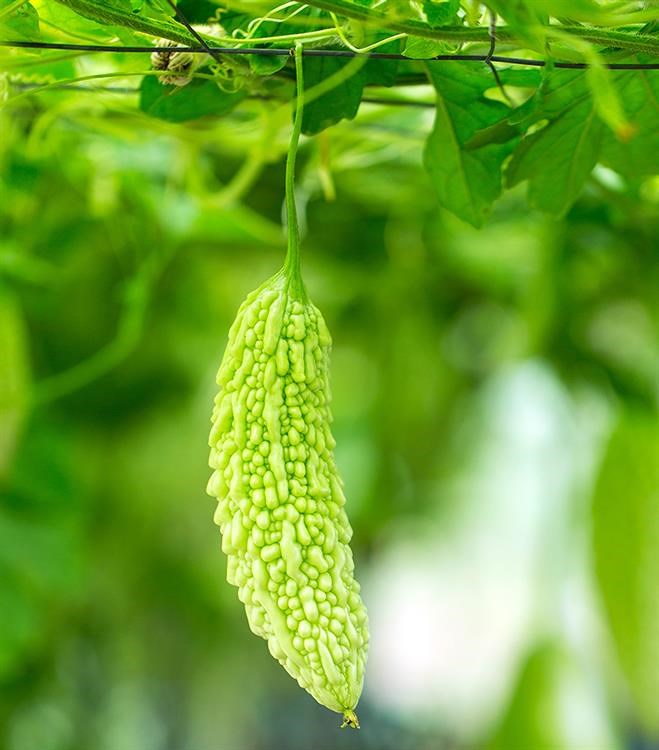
x=286 y=52
x=191 y=29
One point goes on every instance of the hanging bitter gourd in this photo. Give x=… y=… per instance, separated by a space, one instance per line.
x=280 y=499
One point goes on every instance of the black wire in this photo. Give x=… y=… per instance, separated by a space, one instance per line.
x=193 y=31
x=279 y=52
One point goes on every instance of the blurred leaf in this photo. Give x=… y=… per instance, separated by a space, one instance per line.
x=550 y=692
x=639 y=156
x=43 y=553
x=180 y=103
x=467 y=181
x=41 y=545
x=588 y=11
x=13 y=376
x=626 y=544
x=638 y=361
x=19 y=624
x=606 y=97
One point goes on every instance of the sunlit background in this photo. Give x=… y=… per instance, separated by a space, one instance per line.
x=495 y=414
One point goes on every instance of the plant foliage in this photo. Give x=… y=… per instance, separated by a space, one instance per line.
x=547 y=127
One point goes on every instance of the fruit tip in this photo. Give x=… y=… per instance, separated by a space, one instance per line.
x=350 y=720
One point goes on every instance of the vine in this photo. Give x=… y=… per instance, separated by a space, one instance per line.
x=462 y=34
x=590 y=74
x=292 y=263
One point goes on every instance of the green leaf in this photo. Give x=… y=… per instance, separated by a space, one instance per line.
x=626 y=547
x=607 y=100
x=557 y=159
x=155 y=7
x=347 y=79
x=266 y=66
x=341 y=102
x=420 y=48
x=639 y=156
x=64 y=17
x=500 y=132
x=197 y=11
x=441 y=12
x=181 y=103
x=119 y=13
x=559 y=90
x=261 y=65
x=468 y=181
x=23 y=22
x=520 y=77
x=380 y=72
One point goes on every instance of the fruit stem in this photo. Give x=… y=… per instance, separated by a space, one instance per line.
x=292 y=264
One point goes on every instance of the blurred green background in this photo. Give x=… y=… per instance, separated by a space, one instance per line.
x=495 y=399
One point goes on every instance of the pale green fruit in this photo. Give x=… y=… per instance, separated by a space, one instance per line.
x=280 y=499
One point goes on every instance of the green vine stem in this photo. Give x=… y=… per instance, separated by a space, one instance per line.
x=620 y=39
x=292 y=263
x=631 y=42
x=173 y=30
x=106 y=14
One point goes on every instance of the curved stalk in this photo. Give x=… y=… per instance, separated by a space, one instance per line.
x=607 y=38
x=292 y=263
x=631 y=42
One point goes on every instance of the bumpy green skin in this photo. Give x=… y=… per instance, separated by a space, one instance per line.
x=280 y=502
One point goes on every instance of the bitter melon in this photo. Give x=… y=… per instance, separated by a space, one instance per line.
x=280 y=499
